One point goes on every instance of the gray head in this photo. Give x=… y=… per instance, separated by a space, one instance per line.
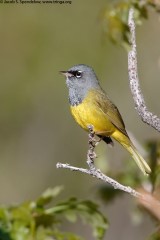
x=80 y=79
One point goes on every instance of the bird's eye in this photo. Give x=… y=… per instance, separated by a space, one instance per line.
x=78 y=74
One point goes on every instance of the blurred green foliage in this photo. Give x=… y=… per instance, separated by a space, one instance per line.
x=34 y=221
x=154 y=150
x=155 y=236
x=115 y=18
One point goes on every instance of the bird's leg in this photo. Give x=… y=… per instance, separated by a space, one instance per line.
x=100 y=138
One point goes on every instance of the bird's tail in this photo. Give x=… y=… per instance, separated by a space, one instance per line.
x=126 y=142
x=139 y=160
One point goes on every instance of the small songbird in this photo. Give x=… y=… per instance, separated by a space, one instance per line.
x=91 y=106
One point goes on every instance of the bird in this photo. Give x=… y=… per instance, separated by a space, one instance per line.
x=90 y=106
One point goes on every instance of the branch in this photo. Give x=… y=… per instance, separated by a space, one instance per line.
x=138 y=98
x=151 y=203
x=91 y=155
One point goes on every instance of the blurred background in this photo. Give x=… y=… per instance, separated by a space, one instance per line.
x=36 y=128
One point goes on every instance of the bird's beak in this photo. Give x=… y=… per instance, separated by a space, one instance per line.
x=66 y=73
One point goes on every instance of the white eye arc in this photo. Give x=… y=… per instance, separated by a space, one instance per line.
x=78 y=74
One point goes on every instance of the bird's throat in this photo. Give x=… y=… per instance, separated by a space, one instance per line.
x=75 y=97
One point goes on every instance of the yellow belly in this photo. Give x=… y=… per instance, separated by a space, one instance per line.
x=87 y=113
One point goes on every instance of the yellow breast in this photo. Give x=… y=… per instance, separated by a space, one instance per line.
x=89 y=113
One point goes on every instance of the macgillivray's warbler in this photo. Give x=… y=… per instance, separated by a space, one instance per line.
x=91 y=106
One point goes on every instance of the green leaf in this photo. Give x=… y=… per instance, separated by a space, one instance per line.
x=70 y=215
x=90 y=214
x=65 y=236
x=87 y=210
x=49 y=195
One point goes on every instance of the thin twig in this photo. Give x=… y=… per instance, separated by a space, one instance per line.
x=98 y=174
x=91 y=155
x=146 y=116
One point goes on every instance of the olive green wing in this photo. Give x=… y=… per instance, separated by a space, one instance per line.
x=110 y=110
